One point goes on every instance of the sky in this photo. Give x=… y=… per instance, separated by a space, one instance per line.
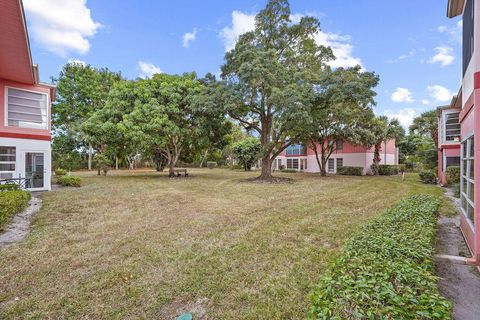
x=410 y=44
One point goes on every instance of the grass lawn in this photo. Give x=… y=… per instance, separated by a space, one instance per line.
x=140 y=245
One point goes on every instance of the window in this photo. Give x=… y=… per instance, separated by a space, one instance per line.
x=339 y=145
x=452 y=161
x=295 y=149
x=7 y=162
x=26 y=109
x=331 y=165
x=451 y=127
x=339 y=163
x=467 y=179
x=292 y=164
x=468 y=33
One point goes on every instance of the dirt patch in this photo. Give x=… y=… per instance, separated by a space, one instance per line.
x=273 y=180
x=182 y=305
x=459 y=283
x=20 y=225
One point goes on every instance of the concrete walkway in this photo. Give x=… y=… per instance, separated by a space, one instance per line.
x=20 y=225
x=458 y=282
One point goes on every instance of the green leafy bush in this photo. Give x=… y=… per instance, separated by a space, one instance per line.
x=453 y=175
x=428 y=176
x=102 y=163
x=402 y=168
x=69 y=181
x=9 y=187
x=12 y=202
x=211 y=164
x=60 y=172
x=388 y=170
x=456 y=190
x=289 y=170
x=386 y=270
x=247 y=152
x=350 y=171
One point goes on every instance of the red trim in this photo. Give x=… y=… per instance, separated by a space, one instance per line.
x=296 y=155
x=476 y=80
x=25 y=136
x=450 y=146
x=466 y=108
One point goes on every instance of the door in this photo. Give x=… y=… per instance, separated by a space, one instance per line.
x=35 y=170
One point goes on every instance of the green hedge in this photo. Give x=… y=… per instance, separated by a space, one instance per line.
x=428 y=176
x=388 y=170
x=60 y=172
x=350 y=171
x=12 y=202
x=386 y=270
x=69 y=181
x=9 y=187
x=453 y=175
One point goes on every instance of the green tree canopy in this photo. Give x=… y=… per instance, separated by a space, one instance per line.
x=266 y=74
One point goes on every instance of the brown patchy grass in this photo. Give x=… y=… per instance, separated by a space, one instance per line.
x=140 y=245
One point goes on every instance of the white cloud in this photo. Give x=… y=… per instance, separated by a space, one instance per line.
x=341 y=47
x=61 y=26
x=402 y=95
x=147 y=69
x=404 y=116
x=439 y=93
x=444 y=56
x=189 y=37
x=241 y=23
x=425 y=102
x=340 y=44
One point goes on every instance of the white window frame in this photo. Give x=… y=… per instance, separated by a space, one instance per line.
x=10 y=162
x=444 y=127
x=465 y=175
x=328 y=165
x=32 y=91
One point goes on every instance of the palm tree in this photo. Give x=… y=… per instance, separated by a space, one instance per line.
x=382 y=130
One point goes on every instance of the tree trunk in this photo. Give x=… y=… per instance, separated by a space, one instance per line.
x=171 y=169
x=266 y=169
x=90 y=156
x=116 y=163
x=204 y=158
x=376 y=159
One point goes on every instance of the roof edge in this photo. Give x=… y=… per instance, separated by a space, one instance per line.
x=455 y=8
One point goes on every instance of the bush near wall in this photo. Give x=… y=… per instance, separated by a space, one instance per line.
x=453 y=175
x=386 y=270
x=12 y=202
x=69 y=181
x=428 y=176
x=388 y=170
x=60 y=172
x=211 y=164
x=350 y=171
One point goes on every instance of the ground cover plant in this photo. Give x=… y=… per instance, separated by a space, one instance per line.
x=69 y=181
x=136 y=244
x=12 y=202
x=386 y=269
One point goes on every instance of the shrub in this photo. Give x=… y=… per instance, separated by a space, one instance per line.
x=69 y=181
x=453 y=175
x=428 y=176
x=456 y=190
x=388 y=170
x=289 y=170
x=350 y=171
x=9 y=187
x=60 y=172
x=247 y=152
x=211 y=164
x=386 y=270
x=12 y=202
x=402 y=168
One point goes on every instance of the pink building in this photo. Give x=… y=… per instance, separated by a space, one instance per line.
x=469 y=118
x=448 y=137
x=297 y=157
x=25 y=137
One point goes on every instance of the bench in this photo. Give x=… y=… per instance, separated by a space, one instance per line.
x=179 y=172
